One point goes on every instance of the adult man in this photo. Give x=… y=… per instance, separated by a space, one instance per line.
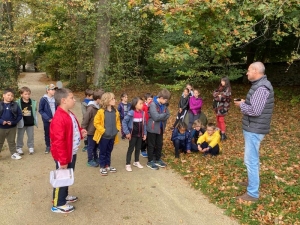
x=257 y=111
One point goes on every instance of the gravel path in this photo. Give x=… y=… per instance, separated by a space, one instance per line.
x=143 y=196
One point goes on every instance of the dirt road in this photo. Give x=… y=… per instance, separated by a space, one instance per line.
x=143 y=196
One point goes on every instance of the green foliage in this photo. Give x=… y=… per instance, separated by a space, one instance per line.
x=295 y=100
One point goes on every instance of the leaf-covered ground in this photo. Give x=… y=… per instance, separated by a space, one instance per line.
x=218 y=177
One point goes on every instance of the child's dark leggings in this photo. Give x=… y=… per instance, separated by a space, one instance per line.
x=178 y=144
x=214 y=151
x=60 y=194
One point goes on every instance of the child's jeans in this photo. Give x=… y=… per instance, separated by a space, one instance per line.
x=194 y=147
x=30 y=136
x=92 y=149
x=155 y=144
x=213 y=151
x=60 y=194
x=105 y=146
x=46 y=133
x=10 y=135
x=134 y=143
x=179 y=144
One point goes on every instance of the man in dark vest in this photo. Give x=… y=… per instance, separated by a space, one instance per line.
x=257 y=111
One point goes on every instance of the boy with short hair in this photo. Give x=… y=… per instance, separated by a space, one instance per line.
x=210 y=141
x=10 y=115
x=65 y=135
x=47 y=108
x=84 y=104
x=28 y=107
x=158 y=116
x=88 y=124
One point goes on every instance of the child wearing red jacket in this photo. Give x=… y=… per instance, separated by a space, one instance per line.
x=147 y=100
x=65 y=136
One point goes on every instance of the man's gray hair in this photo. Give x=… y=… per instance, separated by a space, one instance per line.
x=259 y=66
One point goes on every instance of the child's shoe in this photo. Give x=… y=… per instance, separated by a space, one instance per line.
x=138 y=165
x=63 y=209
x=84 y=148
x=47 y=150
x=144 y=154
x=152 y=165
x=31 y=151
x=103 y=172
x=128 y=168
x=71 y=198
x=160 y=163
x=16 y=156
x=20 y=151
x=92 y=163
x=111 y=169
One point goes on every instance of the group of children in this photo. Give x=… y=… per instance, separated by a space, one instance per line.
x=194 y=137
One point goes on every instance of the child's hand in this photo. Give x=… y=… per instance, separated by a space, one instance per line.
x=63 y=166
x=4 y=122
x=144 y=137
x=50 y=121
x=199 y=148
x=188 y=151
x=128 y=136
x=8 y=123
x=180 y=110
x=83 y=132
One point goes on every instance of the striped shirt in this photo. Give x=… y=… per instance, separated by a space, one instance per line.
x=257 y=102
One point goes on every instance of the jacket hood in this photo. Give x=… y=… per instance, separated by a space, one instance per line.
x=94 y=104
x=48 y=98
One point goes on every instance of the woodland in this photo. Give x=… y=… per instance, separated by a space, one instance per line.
x=117 y=44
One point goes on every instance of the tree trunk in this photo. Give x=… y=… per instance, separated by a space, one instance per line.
x=9 y=14
x=101 y=53
x=250 y=51
x=81 y=57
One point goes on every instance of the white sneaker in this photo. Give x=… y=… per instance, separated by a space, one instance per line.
x=128 y=168
x=31 y=151
x=20 y=151
x=138 y=165
x=16 y=156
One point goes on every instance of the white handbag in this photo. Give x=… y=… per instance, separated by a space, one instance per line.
x=61 y=177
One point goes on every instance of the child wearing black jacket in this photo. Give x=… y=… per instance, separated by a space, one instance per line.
x=183 y=105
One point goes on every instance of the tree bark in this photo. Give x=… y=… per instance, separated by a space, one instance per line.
x=81 y=57
x=102 y=47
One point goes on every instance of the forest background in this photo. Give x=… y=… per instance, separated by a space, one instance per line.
x=114 y=44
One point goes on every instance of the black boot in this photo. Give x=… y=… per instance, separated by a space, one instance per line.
x=223 y=136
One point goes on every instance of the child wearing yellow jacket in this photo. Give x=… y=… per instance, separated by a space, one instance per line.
x=107 y=124
x=210 y=141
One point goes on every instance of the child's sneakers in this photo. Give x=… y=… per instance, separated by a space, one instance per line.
x=71 y=198
x=160 y=163
x=84 y=148
x=92 y=163
x=103 y=172
x=110 y=169
x=16 y=156
x=128 y=168
x=63 y=209
x=144 y=154
x=31 y=151
x=138 y=165
x=20 y=151
x=152 y=165
x=47 y=150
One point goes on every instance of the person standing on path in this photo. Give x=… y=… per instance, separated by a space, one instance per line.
x=257 y=111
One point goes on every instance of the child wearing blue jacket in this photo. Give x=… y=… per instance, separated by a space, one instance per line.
x=123 y=109
x=134 y=127
x=181 y=139
x=47 y=108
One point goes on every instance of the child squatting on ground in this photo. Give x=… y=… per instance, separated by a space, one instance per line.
x=28 y=107
x=134 y=127
x=10 y=115
x=196 y=132
x=47 y=108
x=181 y=139
x=65 y=134
x=209 y=142
x=107 y=124
x=158 y=116
x=88 y=124
x=84 y=104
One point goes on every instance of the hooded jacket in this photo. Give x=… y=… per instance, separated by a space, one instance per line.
x=127 y=123
x=45 y=110
x=88 y=117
